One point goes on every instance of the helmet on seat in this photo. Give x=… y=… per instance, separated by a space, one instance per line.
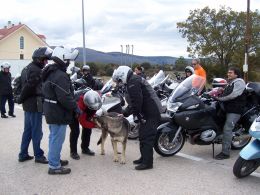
x=121 y=73
x=63 y=56
x=92 y=100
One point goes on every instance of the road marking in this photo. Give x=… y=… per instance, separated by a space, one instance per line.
x=194 y=158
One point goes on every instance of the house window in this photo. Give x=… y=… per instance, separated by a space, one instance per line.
x=21 y=56
x=21 y=42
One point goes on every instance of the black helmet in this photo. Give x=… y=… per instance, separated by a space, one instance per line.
x=41 y=54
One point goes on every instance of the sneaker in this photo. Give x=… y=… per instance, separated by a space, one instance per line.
x=12 y=115
x=41 y=160
x=64 y=162
x=143 y=167
x=75 y=156
x=221 y=156
x=25 y=158
x=59 y=171
x=138 y=161
x=88 y=152
x=4 y=116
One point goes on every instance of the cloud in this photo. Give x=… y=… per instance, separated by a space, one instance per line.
x=149 y=25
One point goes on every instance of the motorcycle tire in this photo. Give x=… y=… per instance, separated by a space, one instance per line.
x=243 y=168
x=164 y=148
x=134 y=132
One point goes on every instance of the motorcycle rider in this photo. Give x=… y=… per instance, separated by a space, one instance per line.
x=140 y=71
x=234 y=100
x=6 y=90
x=188 y=71
x=146 y=108
x=88 y=103
x=59 y=105
x=31 y=98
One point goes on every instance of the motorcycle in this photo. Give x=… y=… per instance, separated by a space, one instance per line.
x=200 y=119
x=249 y=157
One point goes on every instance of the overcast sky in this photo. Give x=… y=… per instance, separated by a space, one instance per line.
x=149 y=25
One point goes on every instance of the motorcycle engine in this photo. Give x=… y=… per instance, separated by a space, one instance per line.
x=208 y=135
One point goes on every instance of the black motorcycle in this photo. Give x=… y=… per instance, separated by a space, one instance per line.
x=201 y=119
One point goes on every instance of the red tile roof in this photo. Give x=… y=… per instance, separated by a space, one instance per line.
x=4 y=32
x=7 y=31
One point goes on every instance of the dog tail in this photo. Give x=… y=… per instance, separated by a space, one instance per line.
x=99 y=141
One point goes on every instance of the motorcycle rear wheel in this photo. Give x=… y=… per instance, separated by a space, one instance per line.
x=243 y=168
x=166 y=149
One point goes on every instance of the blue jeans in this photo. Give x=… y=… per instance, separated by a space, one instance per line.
x=56 y=139
x=10 y=100
x=32 y=131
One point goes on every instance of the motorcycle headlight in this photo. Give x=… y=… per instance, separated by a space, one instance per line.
x=173 y=107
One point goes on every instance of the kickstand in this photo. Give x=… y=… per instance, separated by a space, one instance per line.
x=213 y=150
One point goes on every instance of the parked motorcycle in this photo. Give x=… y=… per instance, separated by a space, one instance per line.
x=200 y=119
x=249 y=157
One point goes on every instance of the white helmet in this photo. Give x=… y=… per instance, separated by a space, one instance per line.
x=5 y=65
x=120 y=74
x=85 y=67
x=92 y=100
x=189 y=69
x=64 y=55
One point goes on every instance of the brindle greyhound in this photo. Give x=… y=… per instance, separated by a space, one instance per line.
x=118 y=128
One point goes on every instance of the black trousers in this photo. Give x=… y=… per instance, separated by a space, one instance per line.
x=147 y=135
x=74 y=135
x=10 y=100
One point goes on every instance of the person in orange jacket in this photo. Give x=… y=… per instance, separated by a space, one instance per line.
x=198 y=70
x=88 y=104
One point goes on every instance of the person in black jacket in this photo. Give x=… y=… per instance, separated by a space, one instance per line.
x=31 y=98
x=6 y=90
x=234 y=100
x=140 y=71
x=59 y=105
x=146 y=107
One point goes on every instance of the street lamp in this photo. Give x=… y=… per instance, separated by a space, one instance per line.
x=83 y=29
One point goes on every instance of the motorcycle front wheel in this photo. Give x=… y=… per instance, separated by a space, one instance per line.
x=243 y=168
x=166 y=148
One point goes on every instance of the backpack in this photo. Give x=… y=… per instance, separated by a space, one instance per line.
x=17 y=86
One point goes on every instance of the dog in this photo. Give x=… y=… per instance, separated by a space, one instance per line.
x=118 y=128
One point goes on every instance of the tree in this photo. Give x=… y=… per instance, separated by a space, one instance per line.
x=146 y=65
x=181 y=63
x=219 y=34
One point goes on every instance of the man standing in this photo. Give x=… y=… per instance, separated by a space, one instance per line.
x=59 y=105
x=6 y=90
x=31 y=98
x=140 y=71
x=146 y=108
x=234 y=100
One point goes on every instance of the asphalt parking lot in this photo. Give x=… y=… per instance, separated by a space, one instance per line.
x=192 y=171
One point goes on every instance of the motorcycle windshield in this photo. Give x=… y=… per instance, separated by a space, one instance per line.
x=157 y=78
x=190 y=86
x=107 y=87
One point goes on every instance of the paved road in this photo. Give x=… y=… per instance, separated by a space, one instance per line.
x=193 y=171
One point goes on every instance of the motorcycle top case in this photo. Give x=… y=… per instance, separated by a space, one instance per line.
x=196 y=119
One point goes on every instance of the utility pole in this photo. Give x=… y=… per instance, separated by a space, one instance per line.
x=83 y=28
x=132 y=59
x=247 y=41
x=122 y=55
